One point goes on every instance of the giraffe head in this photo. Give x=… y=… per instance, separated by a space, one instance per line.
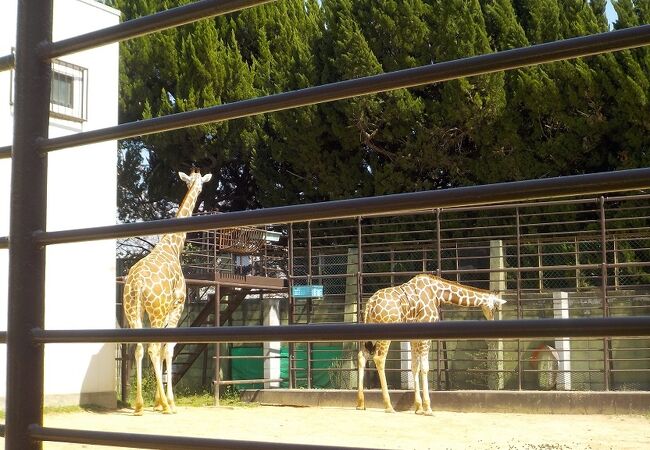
x=492 y=302
x=195 y=179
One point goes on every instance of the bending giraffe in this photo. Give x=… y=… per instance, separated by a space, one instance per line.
x=155 y=284
x=417 y=300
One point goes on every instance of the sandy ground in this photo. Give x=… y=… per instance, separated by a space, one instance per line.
x=371 y=428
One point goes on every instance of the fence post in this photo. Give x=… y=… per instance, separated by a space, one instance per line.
x=350 y=316
x=497 y=284
x=26 y=308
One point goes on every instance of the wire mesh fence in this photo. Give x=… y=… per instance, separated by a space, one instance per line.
x=575 y=258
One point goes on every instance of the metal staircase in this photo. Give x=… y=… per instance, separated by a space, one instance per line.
x=186 y=354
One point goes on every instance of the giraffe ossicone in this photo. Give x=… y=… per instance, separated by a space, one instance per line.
x=417 y=300
x=156 y=285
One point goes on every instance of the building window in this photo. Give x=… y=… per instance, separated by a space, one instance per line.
x=69 y=91
x=62 y=90
x=68 y=97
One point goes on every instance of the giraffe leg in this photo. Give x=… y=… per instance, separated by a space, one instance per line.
x=361 y=368
x=424 y=371
x=172 y=322
x=157 y=403
x=139 y=402
x=415 y=369
x=169 y=355
x=154 y=353
x=380 y=362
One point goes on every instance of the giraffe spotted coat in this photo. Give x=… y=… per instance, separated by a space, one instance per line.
x=417 y=300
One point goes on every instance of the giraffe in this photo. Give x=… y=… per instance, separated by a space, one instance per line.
x=417 y=300
x=155 y=284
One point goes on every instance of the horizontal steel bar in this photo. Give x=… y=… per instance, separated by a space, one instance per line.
x=449 y=70
x=133 y=440
x=258 y=380
x=5 y=152
x=463 y=196
x=148 y=24
x=7 y=62
x=3 y=337
x=466 y=329
x=4 y=242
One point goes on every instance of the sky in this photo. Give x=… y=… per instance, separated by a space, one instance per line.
x=611 y=14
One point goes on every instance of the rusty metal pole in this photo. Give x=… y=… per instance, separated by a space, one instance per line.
x=217 y=346
x=309 y=274
x=291 y=312
x=519 y=311
x=359 y=270
x=605 y=305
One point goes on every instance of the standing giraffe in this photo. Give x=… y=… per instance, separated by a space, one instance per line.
x=155 y=284
x=417 y=300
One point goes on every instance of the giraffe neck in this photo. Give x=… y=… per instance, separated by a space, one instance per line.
x=457 y=294
x=177 y=240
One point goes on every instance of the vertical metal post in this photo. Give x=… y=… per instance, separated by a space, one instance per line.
x=438 y=244
x=309 y=281
x=26 y=309
x=265 y=263
x=616 y=269
x=457 y=263
x=291 y=312
x=603 y=271
x=441 y=350
x=359 y=270
x=540 y=263
x=519 y=312
x=217 y=345
x=577 y=262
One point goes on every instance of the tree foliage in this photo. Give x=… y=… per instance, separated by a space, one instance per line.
x=585 y=115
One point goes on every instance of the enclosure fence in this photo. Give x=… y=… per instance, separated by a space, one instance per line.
x=28 y=238
x=546 y=258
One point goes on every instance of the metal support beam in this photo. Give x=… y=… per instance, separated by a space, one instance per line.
x=25 y=359
x=341 y=332
x=623 y=180
x=141 y=441
x=145 y=25
x=7 y=62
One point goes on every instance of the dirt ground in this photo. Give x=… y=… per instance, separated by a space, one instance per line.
x=371 y=428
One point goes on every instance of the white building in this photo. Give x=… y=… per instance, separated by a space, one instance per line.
x=80 y=278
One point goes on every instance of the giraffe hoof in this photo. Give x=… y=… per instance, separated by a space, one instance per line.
x=167 y=411
x=137 y=412
x=428 y=412
x=389 y=410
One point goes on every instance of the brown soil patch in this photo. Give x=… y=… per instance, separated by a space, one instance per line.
x=372 y=428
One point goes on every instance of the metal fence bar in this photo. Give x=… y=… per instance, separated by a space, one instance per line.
x=163 y=20
x=25 y=361
x=7 y=62
x=255 y=381
x=466 y=329
x=133 y=440
x=5 y=152
x=444 y=71
x=4 y=242
x=463 y=196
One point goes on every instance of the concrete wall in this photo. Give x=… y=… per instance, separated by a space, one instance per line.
x=80 y=278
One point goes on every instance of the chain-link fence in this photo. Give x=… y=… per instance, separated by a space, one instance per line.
x=574 y=258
